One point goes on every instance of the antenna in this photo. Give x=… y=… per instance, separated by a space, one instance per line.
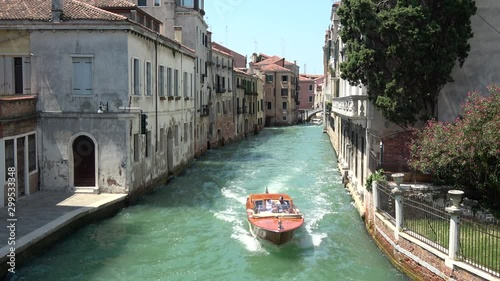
x=283 y=46
x=305 y=72
x=226 y=35
x=255 y=42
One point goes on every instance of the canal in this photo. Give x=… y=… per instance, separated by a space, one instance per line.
x=195 y=227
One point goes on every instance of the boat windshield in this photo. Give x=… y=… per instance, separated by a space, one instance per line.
x=273 y=206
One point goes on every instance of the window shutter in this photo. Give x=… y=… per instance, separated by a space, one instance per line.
x=27 y=75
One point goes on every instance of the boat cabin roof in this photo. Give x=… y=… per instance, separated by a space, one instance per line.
x=272 y=196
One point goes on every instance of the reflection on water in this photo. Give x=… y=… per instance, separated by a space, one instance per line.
x=195 y=227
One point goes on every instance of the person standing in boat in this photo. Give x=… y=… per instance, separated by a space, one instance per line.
x=283 y=205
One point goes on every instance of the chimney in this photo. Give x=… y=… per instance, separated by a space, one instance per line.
x=178 y=34
x=56 y=10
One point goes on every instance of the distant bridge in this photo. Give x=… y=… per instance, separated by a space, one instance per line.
x=310 y=114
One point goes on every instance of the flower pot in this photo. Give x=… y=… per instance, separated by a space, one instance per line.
x=455 y=197
x=398 y=178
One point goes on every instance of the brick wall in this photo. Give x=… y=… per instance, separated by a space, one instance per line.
x=12 y=111
x=16 y=106
x=396 y=152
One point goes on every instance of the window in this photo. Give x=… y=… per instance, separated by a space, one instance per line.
x=169 y=81
x=17 y=81
x=142 y=3
x=161 y=81
x=136 y=148
x=185 y=132
x=176 y=82
x=148 y=79
x=185 y=84
x=284 y=105
x=284 y=117
x=284 y=78
x=31 y=153
x=269 y=105
x=310 y=99
x=9 y=156
x=176 y=135
x=310 y=88
x=284 y=92
x=136 y=78
x=162 y=139
x=148 y=143
x=82 y=76
x=191 y=130
x=157 y=3
x=191 y=85
x=269 y=78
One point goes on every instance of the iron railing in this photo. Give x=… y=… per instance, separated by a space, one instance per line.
x=480 y=243
x=386 y=202
x=427 y=223
x=478 y=235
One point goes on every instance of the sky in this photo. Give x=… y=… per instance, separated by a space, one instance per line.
x=293 y=29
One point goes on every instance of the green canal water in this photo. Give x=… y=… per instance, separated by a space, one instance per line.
x=195 y=227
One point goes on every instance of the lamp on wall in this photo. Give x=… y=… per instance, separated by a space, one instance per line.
x=103 y=107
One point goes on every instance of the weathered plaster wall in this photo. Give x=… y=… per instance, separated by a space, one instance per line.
x=481 y=67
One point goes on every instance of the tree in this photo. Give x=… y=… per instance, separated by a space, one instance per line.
x=464 y=153
x=403 y=51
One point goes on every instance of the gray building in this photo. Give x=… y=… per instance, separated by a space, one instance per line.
x=115 y=96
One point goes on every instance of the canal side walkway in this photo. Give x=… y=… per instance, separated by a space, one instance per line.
x=46 y=216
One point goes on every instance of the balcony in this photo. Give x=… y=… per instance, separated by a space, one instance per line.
x=241 y=110
x=204 y=110
x=351 y=106
x=17 y=107
x=220 y=90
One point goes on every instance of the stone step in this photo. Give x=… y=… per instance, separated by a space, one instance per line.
x=86 y=190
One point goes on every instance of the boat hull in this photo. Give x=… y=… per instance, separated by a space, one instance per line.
x=275 y=237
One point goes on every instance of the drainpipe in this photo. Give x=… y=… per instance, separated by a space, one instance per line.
x=156 y=87
x=275 y=99
x=381 y=153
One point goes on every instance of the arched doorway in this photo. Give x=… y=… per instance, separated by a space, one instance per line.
x=170 y=151
x=84 y=161
x=246 y=128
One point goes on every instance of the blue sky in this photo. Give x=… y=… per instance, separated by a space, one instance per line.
x=293 y=29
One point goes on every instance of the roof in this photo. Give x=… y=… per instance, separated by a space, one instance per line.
x=269 y=60
x=41 y=10
x=221 y=51
x=305 y=76
x=110 y=3
x=275 y=68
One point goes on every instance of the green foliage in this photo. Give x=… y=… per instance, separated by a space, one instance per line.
x=404 y=51
x=328 y=106
x=464 y=153
x=378 y=176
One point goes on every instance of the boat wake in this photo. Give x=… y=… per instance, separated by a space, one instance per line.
x=236 y=217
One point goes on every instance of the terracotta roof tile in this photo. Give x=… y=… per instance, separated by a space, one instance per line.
x=40 y=10
x=269 y=60
x=275 y=68
x=109 y=3
x=221 y=51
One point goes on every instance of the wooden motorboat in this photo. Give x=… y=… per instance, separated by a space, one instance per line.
x=272 y=219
